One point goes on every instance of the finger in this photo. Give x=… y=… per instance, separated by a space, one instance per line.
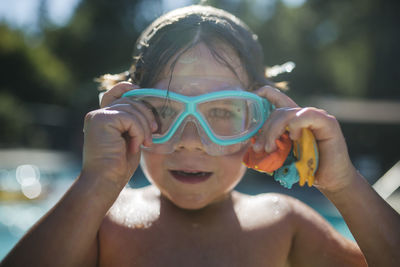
x=148 y=113
x=323 y=125
x=109 y=123
x=276 y=97
x=116 y=92
x=131 y=128
x=140 y=118
x=137 y=135
x=274 y=127
x=145 y=126
x=140 y=106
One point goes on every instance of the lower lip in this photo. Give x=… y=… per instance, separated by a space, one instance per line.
x=190 y=179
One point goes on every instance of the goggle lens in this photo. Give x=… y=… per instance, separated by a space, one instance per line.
x=229 y=118
x=165 y=111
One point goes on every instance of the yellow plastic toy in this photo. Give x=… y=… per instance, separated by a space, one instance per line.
x=306 y=151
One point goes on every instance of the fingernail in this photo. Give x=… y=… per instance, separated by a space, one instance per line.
x=257 y=147
x=149 y=142
x=270 y=147
x=273 y=147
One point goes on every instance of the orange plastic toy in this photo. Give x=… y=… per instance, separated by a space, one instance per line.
x=264 y=162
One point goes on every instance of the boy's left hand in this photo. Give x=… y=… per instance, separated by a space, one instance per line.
x=335 y=169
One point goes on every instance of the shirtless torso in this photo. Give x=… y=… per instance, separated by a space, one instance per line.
x=144 y=229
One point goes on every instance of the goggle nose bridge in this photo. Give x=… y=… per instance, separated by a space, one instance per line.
x=190 y=118
x=190 y=115
x=204 y=138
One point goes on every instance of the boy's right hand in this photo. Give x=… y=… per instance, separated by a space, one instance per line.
x=113 y=135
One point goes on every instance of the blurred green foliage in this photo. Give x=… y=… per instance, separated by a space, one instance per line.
x=340 y=47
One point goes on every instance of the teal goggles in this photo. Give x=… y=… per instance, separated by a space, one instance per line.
x=225 y=120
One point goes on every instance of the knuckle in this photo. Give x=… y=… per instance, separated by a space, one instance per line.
x=117 y=102
x=121 y=84
x=287 y=109
x=108 y=94
x=323 y=111
x=124 y=83
x=102 y=115
x=284 y=114
x=332 y=120
x=90 y=115
x=95 y=119
x=323 y=114
x=268 y=88
x=118 y=89
x=262 y=91
x=319 y=114
x=308 y=111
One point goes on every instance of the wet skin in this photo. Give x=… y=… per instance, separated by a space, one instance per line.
x=202 y=224
x=172 y=223
x=237 y=231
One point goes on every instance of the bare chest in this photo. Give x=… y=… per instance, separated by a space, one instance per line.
x=153 y=247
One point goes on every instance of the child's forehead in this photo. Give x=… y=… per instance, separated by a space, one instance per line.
x=198 y=63
x=195 y=85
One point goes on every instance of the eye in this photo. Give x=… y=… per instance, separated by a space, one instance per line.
x=167 y=112
x=285 y=170
x=221 y=113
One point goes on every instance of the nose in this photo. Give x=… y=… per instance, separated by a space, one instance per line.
x=190 y=138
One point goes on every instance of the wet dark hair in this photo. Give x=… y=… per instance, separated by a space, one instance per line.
x=177 y=31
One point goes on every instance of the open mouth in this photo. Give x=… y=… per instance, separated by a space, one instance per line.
x=190 y=177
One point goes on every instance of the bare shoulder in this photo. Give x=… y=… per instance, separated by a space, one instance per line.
x=269 y=208
x=265 y=210
x=279 y=207
x=134 y=208
x=123 y=227
x=313 y=241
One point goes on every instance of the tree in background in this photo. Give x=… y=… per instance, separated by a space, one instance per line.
x=341 y=48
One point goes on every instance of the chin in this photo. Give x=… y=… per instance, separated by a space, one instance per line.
x=188 y=206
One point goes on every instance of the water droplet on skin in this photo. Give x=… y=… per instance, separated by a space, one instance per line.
x=276 y=205
x=141 y=215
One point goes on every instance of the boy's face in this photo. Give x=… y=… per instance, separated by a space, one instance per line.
x=190 y=177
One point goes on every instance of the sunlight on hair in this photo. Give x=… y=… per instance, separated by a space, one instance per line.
x=279 y=69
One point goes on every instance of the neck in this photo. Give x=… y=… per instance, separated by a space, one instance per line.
x=221 y=206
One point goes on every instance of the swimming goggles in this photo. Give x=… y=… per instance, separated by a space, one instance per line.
x=225 y=120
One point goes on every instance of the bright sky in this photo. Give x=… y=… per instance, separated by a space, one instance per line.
x=23 y=13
